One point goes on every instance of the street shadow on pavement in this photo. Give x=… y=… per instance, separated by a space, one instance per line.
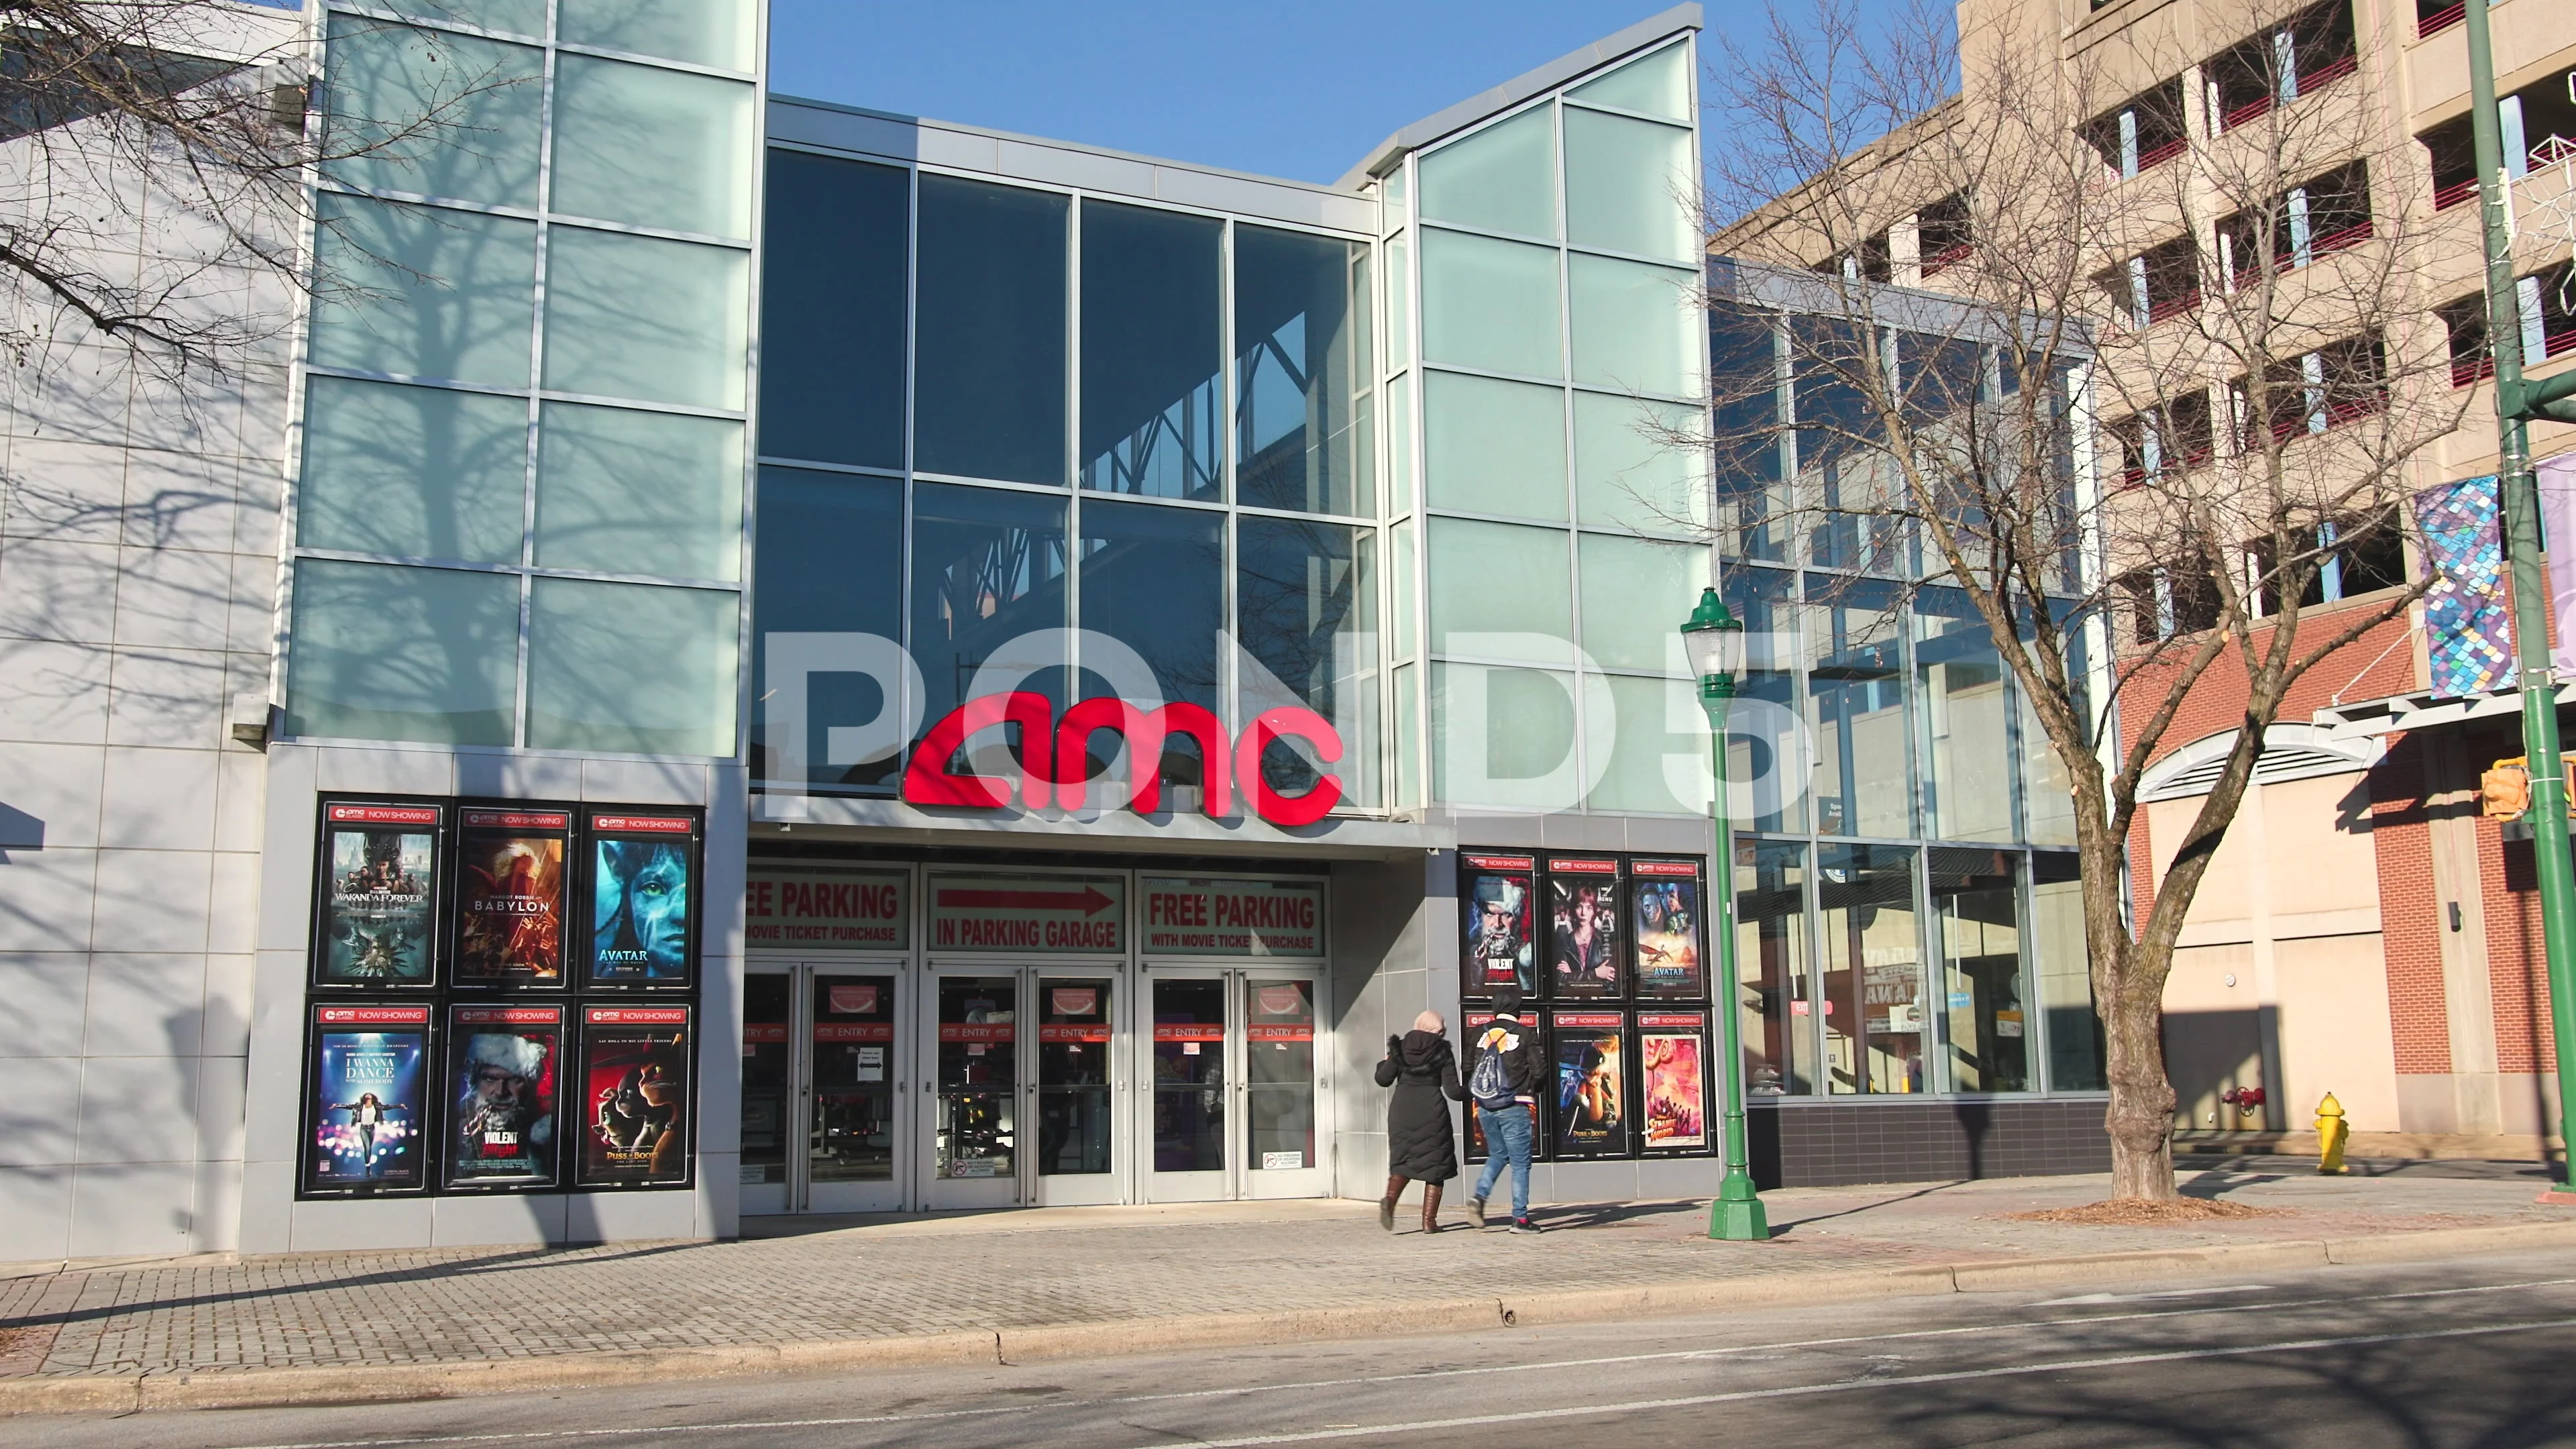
x=1783 y=1229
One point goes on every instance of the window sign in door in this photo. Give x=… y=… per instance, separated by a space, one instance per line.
x=1279 y=1074
x=1189 y=1076
x=852 y=1139
x=765 y=1077
x=1022 y=914
x=977 y=1076
x=826 y=908
x=1073 y=1075
x=1184 y=917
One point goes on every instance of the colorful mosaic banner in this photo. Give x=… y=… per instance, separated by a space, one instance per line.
x=2467 y=626
x=2557 y=533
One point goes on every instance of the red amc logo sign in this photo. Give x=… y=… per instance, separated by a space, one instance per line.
x=1045 y=740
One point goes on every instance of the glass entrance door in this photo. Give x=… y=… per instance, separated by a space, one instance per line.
x=823 y=1080
x=1231 y=1085
x=1022 y=1090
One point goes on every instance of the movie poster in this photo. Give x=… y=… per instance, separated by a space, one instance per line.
x=365 y=1118
x=635 y=1096
x=1583 y=927
x=1475 y=1022
x=1591 y=1084
x=1494 y=892
x=1671 y=1048
x=1666 y=904
x=379 y=895
x=504 y=1062
x=643 y=869
x=510 y=893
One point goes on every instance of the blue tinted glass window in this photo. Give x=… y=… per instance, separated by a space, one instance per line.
x=1293 y=339
x=1304 y=615
x=988 y=594
x=829 y=563
x=831 y=316
x=1152 y=352
x=989 y=391
x=1153 y=579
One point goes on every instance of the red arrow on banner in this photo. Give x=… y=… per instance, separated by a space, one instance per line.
x=1088 y=900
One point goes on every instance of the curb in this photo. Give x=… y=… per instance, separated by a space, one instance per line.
x=390 y=1383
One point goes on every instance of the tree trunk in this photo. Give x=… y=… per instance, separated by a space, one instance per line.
x=2141 y=1116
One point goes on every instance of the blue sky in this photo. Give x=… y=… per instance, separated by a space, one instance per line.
x=1298 y=90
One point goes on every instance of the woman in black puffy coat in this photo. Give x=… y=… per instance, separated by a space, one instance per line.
x=1421 y=1141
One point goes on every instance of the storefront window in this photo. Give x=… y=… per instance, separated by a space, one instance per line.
x=2059 y=950
x=989 y=394
x=1966 y=748
x=1976 y=911
x=1771 y=959
x=1151 y=363
x=1871 y=951
x=830 y=565
x=833 y=265
x=1856 y=685
x=1294 y=332
x=1752 y=496
x=1768 y=762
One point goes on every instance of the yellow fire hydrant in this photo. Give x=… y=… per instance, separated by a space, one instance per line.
x=2331 y=1133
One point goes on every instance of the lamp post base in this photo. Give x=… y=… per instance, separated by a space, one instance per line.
x=1739 y=1221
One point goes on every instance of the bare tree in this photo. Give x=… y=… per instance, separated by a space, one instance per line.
x=2227 y=320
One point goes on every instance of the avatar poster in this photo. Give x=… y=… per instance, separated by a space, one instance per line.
x=1591 y=1086
x=643 y=869
x=635 y=1096
x=1494 y=894
x=365 y=1124
x=379 y=894
x=1676 y=1083
x=1666 y=906
x=504 y=1064
x=510 y=895
x=1583 y=927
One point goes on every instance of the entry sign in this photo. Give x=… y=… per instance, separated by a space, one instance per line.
x=820 y=908
x=1233 y=917
x=1028 y=913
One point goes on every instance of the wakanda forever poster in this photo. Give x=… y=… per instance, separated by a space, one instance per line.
x=635 y=1096
x=643 y=869
x=379 y=895
x=510 y=893
x=365 y=1120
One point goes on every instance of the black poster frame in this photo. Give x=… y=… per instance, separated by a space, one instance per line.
x=1711 y=1091
x=338 y=815
x=452 y=1101
x=601 y=1023
x=333 y=1017
x=1566 y=1027
x=1509 y=869
x=569 y=897
x=1565 y=875
x=1646 y=870
x=600 y=826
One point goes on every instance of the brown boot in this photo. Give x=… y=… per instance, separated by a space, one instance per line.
x=1431 y=1207
x=1386 y=1204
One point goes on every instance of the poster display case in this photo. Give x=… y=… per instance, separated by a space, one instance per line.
x=513 y=888
x=642 y=870
x=1583 y=954
x=366 y=1103
x=1668 y=930
x=376 y=900
x=1496 y=902
x=1589 y=1112
x=1673 y=1077
x=636 y=1107
x=504 y=1096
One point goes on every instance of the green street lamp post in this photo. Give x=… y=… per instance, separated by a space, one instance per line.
x=2517 y=403
x=1714 y=639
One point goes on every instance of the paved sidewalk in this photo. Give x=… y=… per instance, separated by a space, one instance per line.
x=1121 y=1268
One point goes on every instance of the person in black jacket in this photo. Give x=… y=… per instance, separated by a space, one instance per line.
x=1421 y=1144
x=1509 y=1116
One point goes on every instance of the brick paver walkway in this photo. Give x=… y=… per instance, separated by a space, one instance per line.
x=900 y=1277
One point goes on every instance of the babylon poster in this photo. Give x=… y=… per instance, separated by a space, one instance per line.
x=1591 y=1084
x=379 y=895
x=504 y=1069
x=634 y=1097
x=510 y=895
x=365 y=1119
x=1494 y=894
x=643 y=870
x=1583 y=927
x=1670 y=1047
x=1665 y=904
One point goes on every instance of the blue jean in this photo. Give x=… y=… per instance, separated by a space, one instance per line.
x=1507 y=1139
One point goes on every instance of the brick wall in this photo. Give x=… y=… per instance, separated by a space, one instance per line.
x=2410 y=913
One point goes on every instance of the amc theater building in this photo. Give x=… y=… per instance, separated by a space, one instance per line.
x=769 y=657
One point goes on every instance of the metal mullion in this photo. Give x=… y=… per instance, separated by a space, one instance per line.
x=1582 y=742
x=536 y=379
x=905 y=563
x=1230 y=681
x=1071 y=672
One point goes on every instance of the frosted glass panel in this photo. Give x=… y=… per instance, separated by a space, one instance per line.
x=686 y=347
x=1636 y=592
x=1403 y=591
x=652 y=147
x=1504 y=737
x=1500 y=591
x=435 y=114
x=385 y=653
x=420 y=472
x=423 y=292
x=1399 y=444
x=701 y=32
x=1490 y=304
x=631 y=668
x=1493 y=446
x=625 y=492
x=1651 y=745
x=1399 y=304
x=1657 y=84
x=1628 y=186
x=527 y=17
x=1634 y=466
x=1408 y=736
x=1635 y=328
x=1502 y=178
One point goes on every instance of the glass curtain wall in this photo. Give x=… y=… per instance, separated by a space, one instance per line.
x=519 y=511
x=1054 y=480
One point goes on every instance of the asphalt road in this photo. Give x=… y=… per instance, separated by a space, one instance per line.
x=2468 y=1353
